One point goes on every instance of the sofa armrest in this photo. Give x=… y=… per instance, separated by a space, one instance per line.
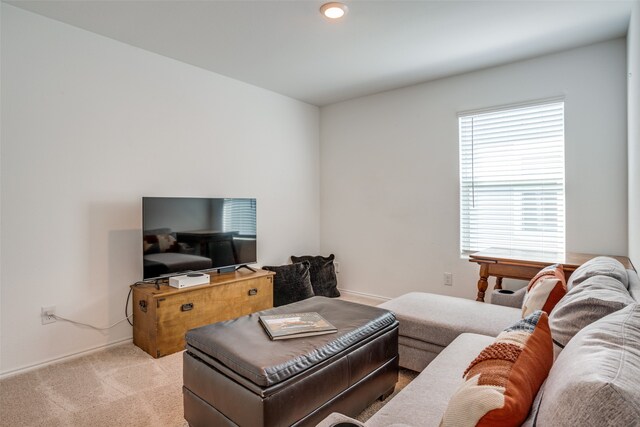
x=337 y=418
x=510 y=298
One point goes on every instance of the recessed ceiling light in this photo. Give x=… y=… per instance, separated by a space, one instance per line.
x=334 y=10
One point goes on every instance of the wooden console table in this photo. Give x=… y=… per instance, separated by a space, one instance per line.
x=523 y=265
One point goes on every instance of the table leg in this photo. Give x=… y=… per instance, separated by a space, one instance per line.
x=483 y=284
x=498 y=283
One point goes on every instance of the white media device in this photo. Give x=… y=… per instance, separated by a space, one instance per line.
x=187 y=280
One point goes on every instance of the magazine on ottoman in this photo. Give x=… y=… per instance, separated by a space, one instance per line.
x=295 y=325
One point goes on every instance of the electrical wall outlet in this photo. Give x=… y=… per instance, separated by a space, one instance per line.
x=448 y=279
x=46 y=313
x=336 y=266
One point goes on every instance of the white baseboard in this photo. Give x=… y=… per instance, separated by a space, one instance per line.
x=66 y=357
x=77 y=354
x=364 y=294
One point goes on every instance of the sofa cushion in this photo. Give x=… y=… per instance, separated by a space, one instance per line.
x=323 y=274
x=503 y=380
x=424 y=400
x=545 y=290
x=634 y=284
x=596 y=297
x=594 y=381
x=439 y=319
x=599 y=266
x=336 y=419
x=291 y=283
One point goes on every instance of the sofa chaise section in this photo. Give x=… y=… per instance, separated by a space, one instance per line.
x=430 y=322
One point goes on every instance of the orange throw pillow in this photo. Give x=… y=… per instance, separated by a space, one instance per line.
x=501 y=383
x=545 y=290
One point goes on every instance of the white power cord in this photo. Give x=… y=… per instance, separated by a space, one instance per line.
x=55 y=316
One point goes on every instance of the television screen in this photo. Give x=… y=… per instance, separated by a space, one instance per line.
x=189 y=234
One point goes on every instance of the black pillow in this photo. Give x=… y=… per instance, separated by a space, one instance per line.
x=323 y=274
x=291 y=283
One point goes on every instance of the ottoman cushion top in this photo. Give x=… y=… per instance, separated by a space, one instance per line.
x=243 y=346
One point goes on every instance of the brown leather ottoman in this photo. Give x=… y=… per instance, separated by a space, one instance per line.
x=234 y=375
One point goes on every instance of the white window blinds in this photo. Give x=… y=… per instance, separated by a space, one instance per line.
x=239 y=215
x=512 y=179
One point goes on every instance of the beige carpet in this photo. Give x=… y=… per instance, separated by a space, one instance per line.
x=119 y=386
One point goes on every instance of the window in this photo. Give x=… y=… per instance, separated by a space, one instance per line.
x=512 y=179
x=239 y=215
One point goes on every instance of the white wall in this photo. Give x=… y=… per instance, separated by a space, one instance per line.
x=389 y=168
x=633 y=98
x=90 y=126
x=1 y=145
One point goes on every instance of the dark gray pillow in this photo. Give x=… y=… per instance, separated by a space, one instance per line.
x=323 y=274
x=291 y=283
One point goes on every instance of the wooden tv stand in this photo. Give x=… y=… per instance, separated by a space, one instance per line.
x=161 y=317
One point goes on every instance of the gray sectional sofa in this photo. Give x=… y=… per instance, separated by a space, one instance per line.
x=594 y=381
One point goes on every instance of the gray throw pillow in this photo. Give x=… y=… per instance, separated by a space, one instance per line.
x=595 y=298
x=291 y=283
x=599 y=266
x=594 y=381
x=323 y=274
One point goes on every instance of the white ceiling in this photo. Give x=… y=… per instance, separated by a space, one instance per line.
x=289 y=48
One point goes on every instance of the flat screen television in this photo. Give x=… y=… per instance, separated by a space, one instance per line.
x=181 y=234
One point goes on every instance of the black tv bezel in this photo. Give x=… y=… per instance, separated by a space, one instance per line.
x=230 y=267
